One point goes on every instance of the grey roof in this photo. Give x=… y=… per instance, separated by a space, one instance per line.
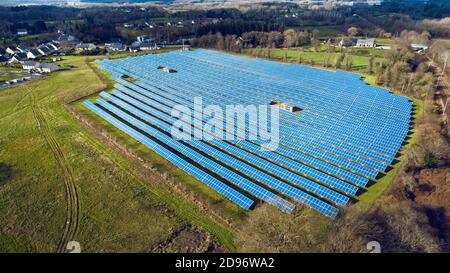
x=35 y=52
x=366 y=41
x=22 y=48
x=66 y=37
x=30 y=63
x=45 y=49
x=47 y=65
x=146 y=45
x=117 y=46
x=85 y=45
x=20 y=56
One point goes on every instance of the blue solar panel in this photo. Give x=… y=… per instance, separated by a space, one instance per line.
x=345 y=133
x=226 y=159
x=270 y=167
x=220 y=187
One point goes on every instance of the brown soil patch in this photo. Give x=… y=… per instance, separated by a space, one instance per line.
x=434 y=189
x=187 y=240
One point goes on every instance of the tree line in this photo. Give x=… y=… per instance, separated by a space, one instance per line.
x=253 y=39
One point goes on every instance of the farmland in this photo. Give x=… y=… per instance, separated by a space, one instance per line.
x=322 y=54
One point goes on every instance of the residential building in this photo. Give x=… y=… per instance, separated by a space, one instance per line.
x=85 y=46
x=347 y=42
x=116 y=47
x=11 y=50
x=44 y=50
x=29 y=65
x=22 y=32
x=18 y=58
x=147 y=46
x=33 y=54
x=22 y=48
x=144 y=39
x=419 y=47
x=52 y=46
x=366 y=43
x=46 y=67
x=134 y=48
x=113 y=41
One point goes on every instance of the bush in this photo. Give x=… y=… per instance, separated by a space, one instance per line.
x=430 y=160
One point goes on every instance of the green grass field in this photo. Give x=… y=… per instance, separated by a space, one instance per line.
x=9 y=77
x=9 y=69
x=308 y=55
x=118 y=211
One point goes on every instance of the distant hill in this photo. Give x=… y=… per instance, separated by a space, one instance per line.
x=123 y=1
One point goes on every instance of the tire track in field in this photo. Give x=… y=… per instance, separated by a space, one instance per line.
x=73 y=204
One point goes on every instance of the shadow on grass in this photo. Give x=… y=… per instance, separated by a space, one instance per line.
x=5 y=173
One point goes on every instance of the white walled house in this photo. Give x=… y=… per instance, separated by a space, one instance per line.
x=33 y=54
x=29 y=65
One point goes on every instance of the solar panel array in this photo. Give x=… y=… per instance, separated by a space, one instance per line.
x=345 y=134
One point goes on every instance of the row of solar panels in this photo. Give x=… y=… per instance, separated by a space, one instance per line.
x=319 y=85
x=370 y=173
x=391 y=129
x=287 y=163
x=331 y=169
x=221 y=151
x=316 y=97
x=186 y=99
x=340 y=81
x=316 y=165
x=391 y=150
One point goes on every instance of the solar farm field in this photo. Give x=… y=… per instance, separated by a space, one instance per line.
x=343 y=136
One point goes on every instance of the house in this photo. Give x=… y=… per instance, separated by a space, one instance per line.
x=147 y=46
x=29 y=65
x=144 y=39
x=133 y=48
x=383 y=47
x=22 y=48
x=3 y=60
x=113 y=41
x=22 y=32
x=44 y=50
x=347 y=42
x=65 y=37
x=116 y=47
x=18 y=58
x=46 y=67
x=11 y=50
x=52 y=46
x=366 y=42
x=419 y=47
x=85 y=46
x=33 y=54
